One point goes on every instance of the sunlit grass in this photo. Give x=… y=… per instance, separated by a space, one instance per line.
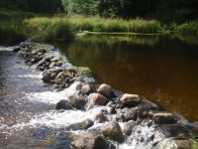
x=189 y=27
x=97 y=24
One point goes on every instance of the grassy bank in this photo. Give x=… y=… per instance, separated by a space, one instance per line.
x=12 y=29
x=97 y=24
x=11 y=33
x=189 y=28
x=18 y=26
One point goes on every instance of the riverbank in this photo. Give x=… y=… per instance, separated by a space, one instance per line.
x=18 y=26
x=134 y=114
x=108 y=25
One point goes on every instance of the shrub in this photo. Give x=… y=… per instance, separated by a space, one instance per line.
x=190 y=28
x=59 y=31
x=11 y=33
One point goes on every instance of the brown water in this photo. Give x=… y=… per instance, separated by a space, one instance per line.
x=164 y=69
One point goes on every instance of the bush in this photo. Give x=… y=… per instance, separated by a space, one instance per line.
x=58 y=31
x=190 y=28
x=11 y=33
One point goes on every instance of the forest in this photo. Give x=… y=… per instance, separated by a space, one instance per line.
x=166 y=11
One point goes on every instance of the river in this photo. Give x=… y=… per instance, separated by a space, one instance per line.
x=161 y=68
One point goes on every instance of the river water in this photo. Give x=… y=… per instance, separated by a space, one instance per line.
x=134 y=64
x=161 y=68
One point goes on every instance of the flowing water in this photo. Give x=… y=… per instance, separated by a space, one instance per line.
x=166 y=75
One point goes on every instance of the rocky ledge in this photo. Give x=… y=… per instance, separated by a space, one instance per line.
x=131 y=110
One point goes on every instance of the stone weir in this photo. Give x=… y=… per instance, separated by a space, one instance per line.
x=130 y=119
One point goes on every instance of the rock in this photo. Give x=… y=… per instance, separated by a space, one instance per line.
x=130 y=100
x=49 y=75
x=77 y=100
x=183 y=122
x=52 y=65
x=100 y=118
x=56 y=59
x=131 y=114
x=112 y=110
x=185 y=144
x=120 y=115
x=99 y=99
x=144 y=114
x=128 y=128
x=113 y=131
x=86 y=89
x=174 y=130
x=63 y=104
x=105 y=90
x=94 y=87
x=164 y=118
x=146 y=104
x=177 y=144
x=16 y=49
x=87 y=123
x=89 y=140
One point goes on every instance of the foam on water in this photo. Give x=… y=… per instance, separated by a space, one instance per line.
x=60 y=119
x=8 y=48
x=53 y=97
x=37 y=76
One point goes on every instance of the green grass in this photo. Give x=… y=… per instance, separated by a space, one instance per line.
x=11 y=33
x=16 y=26
x=97 y=24
x=57 y=31
x=189 y=28
x=12 y=29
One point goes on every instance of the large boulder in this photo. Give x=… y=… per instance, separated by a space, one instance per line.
x=113 y=131
x=87 y=123
x=105 y=90
x=89 y=140
x=99 y=99
x=63 y=104
x=164 y=118
x=130 y=100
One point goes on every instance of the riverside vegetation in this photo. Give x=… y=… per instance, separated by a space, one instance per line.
x=16 y=27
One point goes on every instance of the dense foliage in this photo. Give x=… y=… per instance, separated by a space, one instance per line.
x=164 y=10
x=37 y=6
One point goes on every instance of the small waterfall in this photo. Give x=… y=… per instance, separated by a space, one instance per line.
x=41 y=118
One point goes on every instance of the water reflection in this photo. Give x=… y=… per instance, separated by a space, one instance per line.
x=161 y=68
